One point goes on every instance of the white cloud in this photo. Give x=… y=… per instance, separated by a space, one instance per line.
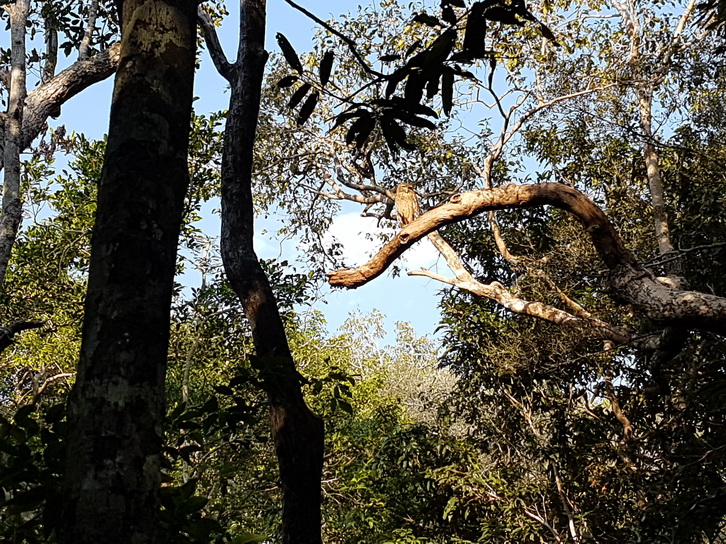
x=350 y=230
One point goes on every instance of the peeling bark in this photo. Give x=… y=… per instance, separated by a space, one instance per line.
x=116 y=409
x=630 y=280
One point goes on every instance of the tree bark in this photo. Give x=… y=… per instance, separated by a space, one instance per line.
x=12 y=208
x=297 y=432
x=112 y=481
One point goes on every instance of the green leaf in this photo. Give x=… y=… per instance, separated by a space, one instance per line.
x=326 y=66
x=298 y=95
x=307 y=109
x=287 y=81
x=248 y=538
x=290 y=56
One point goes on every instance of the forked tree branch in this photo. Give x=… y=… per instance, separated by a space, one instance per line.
x=630 y=280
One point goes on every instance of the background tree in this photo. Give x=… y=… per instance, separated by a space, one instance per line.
x=89 y=29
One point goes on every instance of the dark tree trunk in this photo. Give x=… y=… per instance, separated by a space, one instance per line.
x=111 y=492
x=297 y=432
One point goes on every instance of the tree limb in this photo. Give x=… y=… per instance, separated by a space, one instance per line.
x=628 y=278
x=223 y=66
x=46 y=98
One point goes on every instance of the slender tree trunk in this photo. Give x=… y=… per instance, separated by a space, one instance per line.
x=655 y=181
x=12 y=208
x=655 y=184
x=297 y=432
x=111 y=492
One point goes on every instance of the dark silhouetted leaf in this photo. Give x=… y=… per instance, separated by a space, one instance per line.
x=502 y=14
x=411 y=119
x=414 y=87
x=394 y=134
x=521 y=9
x=287 y=81
x=415 y=45
x=394 y=79
x=307 y=109
x=343 y=117
x=447 y=91
x=548 y=34
x=448 y=15
x=389 y=58
x=398 y=103
x=475 y=34
x=432 y=86
x=290 y=56
x=360 y=130
x=298 y=95
x=456 y=3
x=326 y=66
x=440 y=50
x=426 y=19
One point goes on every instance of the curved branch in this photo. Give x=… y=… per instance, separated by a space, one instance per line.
x=219 y=59
x=629 y=278
x=42 y=101
x=504 y=297
x=7 y=333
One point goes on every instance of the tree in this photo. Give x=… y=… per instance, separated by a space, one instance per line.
x=297 y=432
x=544 y=262
x=28 y=111
x=112 y=478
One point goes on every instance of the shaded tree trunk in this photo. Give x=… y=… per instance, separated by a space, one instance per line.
x=297 y=432
x=111 y=491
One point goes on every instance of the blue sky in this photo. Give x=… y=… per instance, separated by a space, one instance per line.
x=400 y=299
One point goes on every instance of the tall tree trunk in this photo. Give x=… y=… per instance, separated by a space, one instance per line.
x=112 y=485
x=12 y=208
x=297 y=432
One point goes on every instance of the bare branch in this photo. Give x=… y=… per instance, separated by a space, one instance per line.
x=349 y=42
x=629 y=278
x=85 y=48
x=223 y=66
x=7 y=333
x=501 y=295
x=47 y=98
